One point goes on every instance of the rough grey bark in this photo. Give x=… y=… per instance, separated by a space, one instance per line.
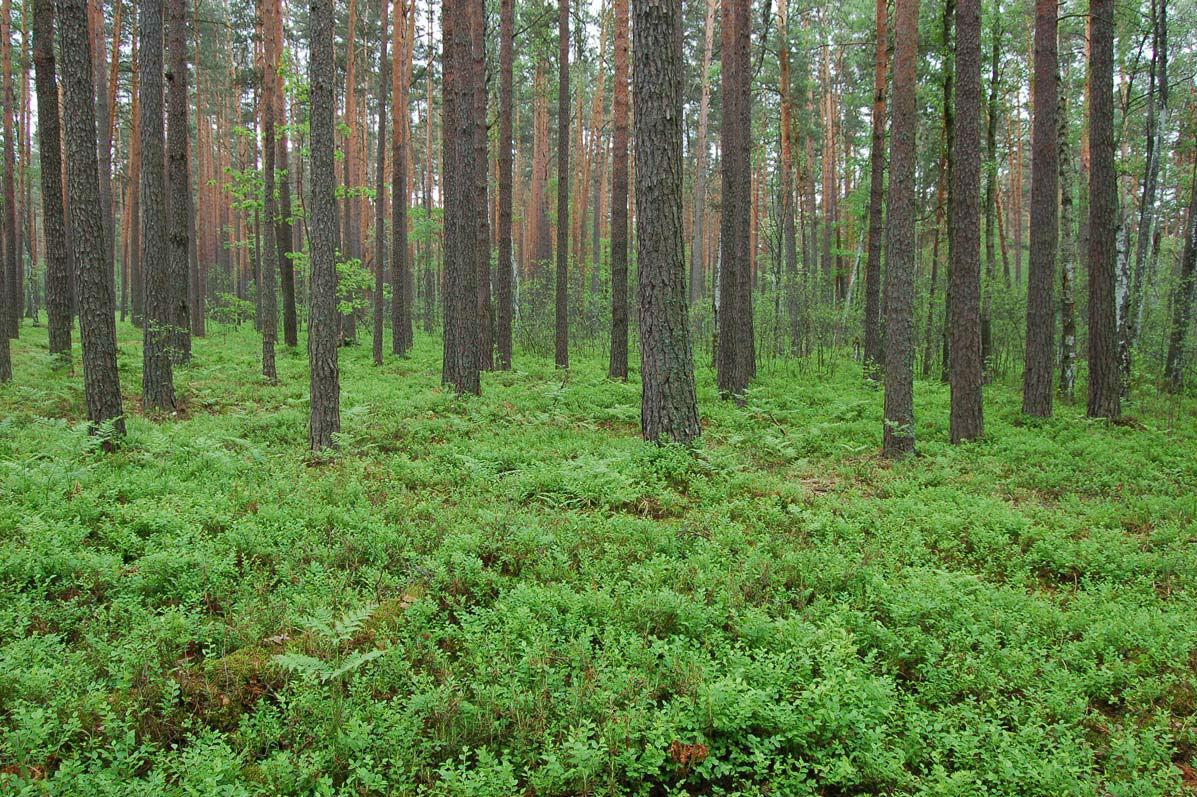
x=618 y=368
x=505 y=264
x=697 y=263
x=1182 y=302
x=49 y=133
x=178 y=227
x=1104 y=385
x=323 y=322
x=284 y=234
x=157 y=378
x=873 y=353
x=104 y=113
x=97 y=303
x=736 y=355
x=562 y=282
x=668 y=407
x=402 y=332
x=269 y=271
x=964 y=276
x=1045 y=182
x=991 y=174
x=1067 y=258
x=10 y=299
x=900 y=252
x=486 y=335
x=460 y=365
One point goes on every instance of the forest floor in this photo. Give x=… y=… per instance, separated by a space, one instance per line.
x=515 y=595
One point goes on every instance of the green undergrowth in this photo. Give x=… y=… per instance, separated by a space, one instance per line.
x=514 y=595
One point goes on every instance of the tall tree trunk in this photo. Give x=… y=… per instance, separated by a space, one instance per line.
x=269 y=270
x=104 y=113
x=736 y=361
x=58 y=284
x=618 y=367
x=136 y=281
x=668 y=407
x=486 y=335
x=1104 y=388
x=157 y=380
x=872 y=315
x=401 y=282
x=697 y=263
x=562 y=282
x=991 y=177
x=350 y=243
x=460 y=367
x=964 y=276
x=1067 y=257
x=283 y=232
x=1040 y=354
x=506 y=262
x=12 y=272
x=380 y=238
x=789 y=236
x=323 y=320
x=97 y=304
x=179 y=230
x=900 y=244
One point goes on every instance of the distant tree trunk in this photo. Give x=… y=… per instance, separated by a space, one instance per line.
x=1041 y=321
x=668 y=407
x=562 y=281
x=506 y=262
x=136 y=282
x=269 y=271
x=179 y=230
x=789 y=235
x=1067 y=257
x=104 y=114
x=323 y=323
x=1157 y=103
x=736 y=361
x=873 y=354
x=97 y=304
x=949 y=129
x=1104 y=388
x=460 y=367
x=697 y=263
x=964 y=292
x=618 y=368
x=58 y=283
x=157 y=381
x=1182 y=301
x=401 y=300
x=283 y=231
x=12 y=273
x=486 y=335
x=380 y=238
x=900 y=244
x=350 y=245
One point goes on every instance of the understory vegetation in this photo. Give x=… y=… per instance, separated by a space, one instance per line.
x=514 y=594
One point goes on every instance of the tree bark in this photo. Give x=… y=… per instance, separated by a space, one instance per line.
x=283 y=231
x=900 y=243
x=97 y=304
x=269 y=271
x=1104 y=387
x=736 y=360
x=506 y=262
x=323 y=323
x=561 y=314
x=401 y=299
x=668 y=407
x=12 y=295
x=697 y=262
x=964 y=276
x=486 y=335
x=1182 y=301
x=178 y=204
x=58 y=283
x=1040 y=353
x=460 y=366
x=380 y=238
x=618 y=367
x=1067 y=257
x=873 y=353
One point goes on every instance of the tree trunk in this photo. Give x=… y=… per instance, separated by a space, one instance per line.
x=668 y=407
x=13 y=293
x=178 y=204
x=873 y=354
x=964 y=276
x=1067 y=257
x=506 y=262
x=736 y=362
x=991 y=177
x=323 y=320
x=269 y=271
x=460 y=367
x=58 y=284
x=618 y=368
x=401 y=300
x=561 y=314
x=1104 y=388
x=486 y=335
x=1040 y=354
x=1182 y=301
x=136 y=281
x=789 y=234
x=900 y=244
x=380 y=238
x=97 y=304
x=283 y=232
x=157 y=381
x=697 y=263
